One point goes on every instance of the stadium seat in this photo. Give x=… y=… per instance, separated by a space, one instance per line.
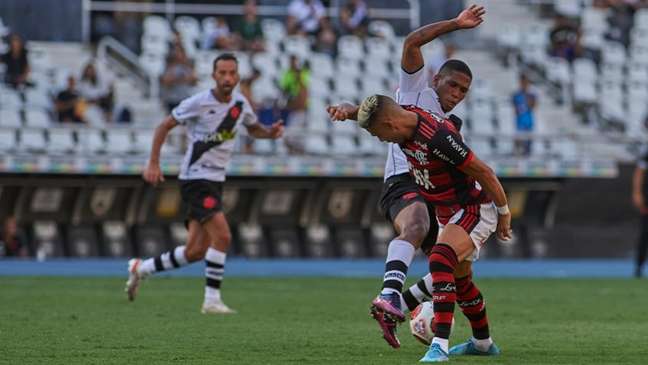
x=584 y=91
x=142 y=141
x=319 y=88
x=343 y=145
x=558 y=70
x=60 y=141
x=151 y=240
x=350 y=243
x=504 y=147
x=47 y=240
x=264 y=146
x=481 y=146
x=351 y=46
x=568 y=8
x=585 y=69
x=32 y=140
x=153 y=63
x=481 y=117
x=594 y=19
x=321 y=65
x=7 y=139
x=347 y=67
x=37 y=118
x=375 y=67
x=346 y=88
x=82 y=241
x=297 y=45
x=382 y=29
x=10 y=118
x=265 y=89
x=318 y=241
x=273 y=30
x=9 y=99
x=266 y=63
x=116 y=239
x=252 y=241
x=317 y=121
x=154 y=24
x=188 y=26
x=118 y=141
x=481 y=90
x=91 y=141
x=370 y=145
x=284 y=243
x=614 y=53
x=378 y=49
x=373 y=85
x=316 y=145
x=38 y=98
x=505 y=116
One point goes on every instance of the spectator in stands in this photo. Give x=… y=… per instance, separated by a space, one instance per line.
x=249 y=29
x=70 y=107
x=304 y=17
x=435 y=63
x=220 y=37
x=178 y=79
x=565 y=39
x=294 y=85
x=354 y=18
x=639 y=194
x=524 y=101
x=621 y=20
x=16 y=62
x=326 y=39
x=96 y=90
x=175 y=42
x=12 y=240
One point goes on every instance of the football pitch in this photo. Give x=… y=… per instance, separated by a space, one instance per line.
x=56 y=320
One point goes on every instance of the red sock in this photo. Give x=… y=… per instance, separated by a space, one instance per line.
x=443 y=261
x=473 y=306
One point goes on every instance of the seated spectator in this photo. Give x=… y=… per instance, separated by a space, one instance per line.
x=220 y=37
x=304 y=17
x=178 y=80
x=95 y=90
x=249 y=29
x=565 y=39
x=326 y=39
x=294 y=85
x=70 y=107
x=524 y=100
x=12 y=241
x=354 y=18
x=17 y=71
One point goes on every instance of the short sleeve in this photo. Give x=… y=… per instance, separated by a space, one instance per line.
x=186 y=111
x=415 y=81
x=249 y=116
x=448 y=147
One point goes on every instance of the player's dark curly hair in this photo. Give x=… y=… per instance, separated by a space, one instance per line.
x=225 y=57
x=455 y=65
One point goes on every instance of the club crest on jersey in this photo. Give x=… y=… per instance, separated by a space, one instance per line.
x=420 y=156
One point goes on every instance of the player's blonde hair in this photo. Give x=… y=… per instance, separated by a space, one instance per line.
x=375 y=107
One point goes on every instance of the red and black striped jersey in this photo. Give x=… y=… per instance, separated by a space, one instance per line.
x=434 y=154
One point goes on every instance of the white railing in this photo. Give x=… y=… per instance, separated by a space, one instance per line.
x=112 y=52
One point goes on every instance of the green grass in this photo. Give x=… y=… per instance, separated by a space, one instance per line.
x=306 y=321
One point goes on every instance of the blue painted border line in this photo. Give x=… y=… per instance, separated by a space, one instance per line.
x=370 y=268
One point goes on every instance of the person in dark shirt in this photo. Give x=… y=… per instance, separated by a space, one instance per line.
x=69 y=106
x=12 y=241
x=15 y=59
x=249 y=29
x=639 y=194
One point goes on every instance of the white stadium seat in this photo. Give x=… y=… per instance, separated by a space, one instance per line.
x=37 y=118
x=316 y=145
x=346 y=88
x=273 y=30
x=321 y=65
x=142 y=141
x=347 y=67
x=119 y=141
x=297 y=45
x=60 y=140
x=382 y=28
x=10 y=118
x=7 y=139
x=378 y=48
x=351 y=46
x=343 y=145
x=32 y=140
x=91 y=141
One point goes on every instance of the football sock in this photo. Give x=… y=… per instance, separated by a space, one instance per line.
x=399 y=256
x=214 y=270
x=473 y=306
x=443 y=262
x=418 y=293
x=169 y=260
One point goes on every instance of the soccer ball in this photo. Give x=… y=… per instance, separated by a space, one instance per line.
x=421 y=322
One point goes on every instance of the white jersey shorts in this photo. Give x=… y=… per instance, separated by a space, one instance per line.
x=479 y=221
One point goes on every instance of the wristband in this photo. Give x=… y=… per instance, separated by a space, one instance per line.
x=503 y=210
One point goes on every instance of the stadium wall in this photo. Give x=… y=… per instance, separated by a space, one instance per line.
x=88 y=215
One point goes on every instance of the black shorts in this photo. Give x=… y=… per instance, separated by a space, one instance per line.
x=400 y=191
x=203 y=198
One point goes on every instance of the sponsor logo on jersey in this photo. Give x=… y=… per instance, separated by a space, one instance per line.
x=441 y=155
x=456 y=146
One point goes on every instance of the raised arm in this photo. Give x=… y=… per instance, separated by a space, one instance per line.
x=343 y=111
x=412 y=58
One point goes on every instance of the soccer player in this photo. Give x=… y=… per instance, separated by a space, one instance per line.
x=211 y=118
x=400 y=200
x=469 y=200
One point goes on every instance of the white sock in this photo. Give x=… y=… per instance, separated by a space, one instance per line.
x=442 y=342
x=166 y=261
x=399 y=257
x=214 y=270
x=482 y=345
x=147 y=267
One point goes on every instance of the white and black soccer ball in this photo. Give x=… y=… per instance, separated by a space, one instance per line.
x=421 y=319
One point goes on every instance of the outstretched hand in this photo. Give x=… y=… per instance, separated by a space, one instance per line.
x=343 y=111
x=471 y=17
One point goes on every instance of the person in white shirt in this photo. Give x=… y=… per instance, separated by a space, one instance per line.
x=304 y=16
x=401 y=200
x=211 y=118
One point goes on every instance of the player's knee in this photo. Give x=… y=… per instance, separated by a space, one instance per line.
x=415 y=232
x=224 y=238
x=194 y=254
